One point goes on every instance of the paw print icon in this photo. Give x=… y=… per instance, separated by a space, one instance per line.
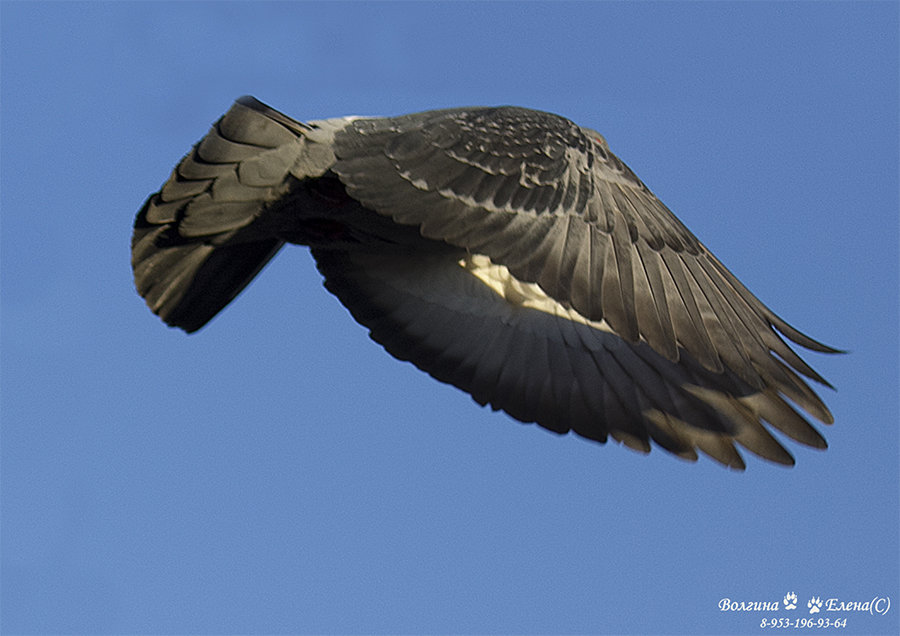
x=814 y=605
x=790 y=601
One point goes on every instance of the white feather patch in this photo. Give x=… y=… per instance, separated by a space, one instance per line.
x=499 y=279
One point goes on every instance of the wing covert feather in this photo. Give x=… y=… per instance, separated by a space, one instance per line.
x=502 y=181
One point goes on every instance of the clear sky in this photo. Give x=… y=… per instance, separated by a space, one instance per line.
x=278 y=472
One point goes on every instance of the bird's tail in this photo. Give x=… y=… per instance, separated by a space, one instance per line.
x=204 y=236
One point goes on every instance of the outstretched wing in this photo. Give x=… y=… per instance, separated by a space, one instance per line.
x=547 y=199
x=505 y=251
x=469 y=323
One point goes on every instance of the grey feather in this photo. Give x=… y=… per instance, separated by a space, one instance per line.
x=505 y=251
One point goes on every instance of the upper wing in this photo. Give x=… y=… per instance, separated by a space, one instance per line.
x=548 y=200
x=210 y=229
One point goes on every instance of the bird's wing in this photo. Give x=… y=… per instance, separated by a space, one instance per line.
x=547 y=199
x=203 y=237
x=468 y=323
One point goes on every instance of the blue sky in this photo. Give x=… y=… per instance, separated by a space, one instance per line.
x=279 y=473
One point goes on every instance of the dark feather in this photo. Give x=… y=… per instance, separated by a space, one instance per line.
x=505 y=251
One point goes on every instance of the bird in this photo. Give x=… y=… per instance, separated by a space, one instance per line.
x=502 y=250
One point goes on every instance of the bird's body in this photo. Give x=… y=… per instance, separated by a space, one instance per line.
x=502 y=250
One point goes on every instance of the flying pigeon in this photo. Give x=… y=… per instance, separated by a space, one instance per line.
x=505 y=251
